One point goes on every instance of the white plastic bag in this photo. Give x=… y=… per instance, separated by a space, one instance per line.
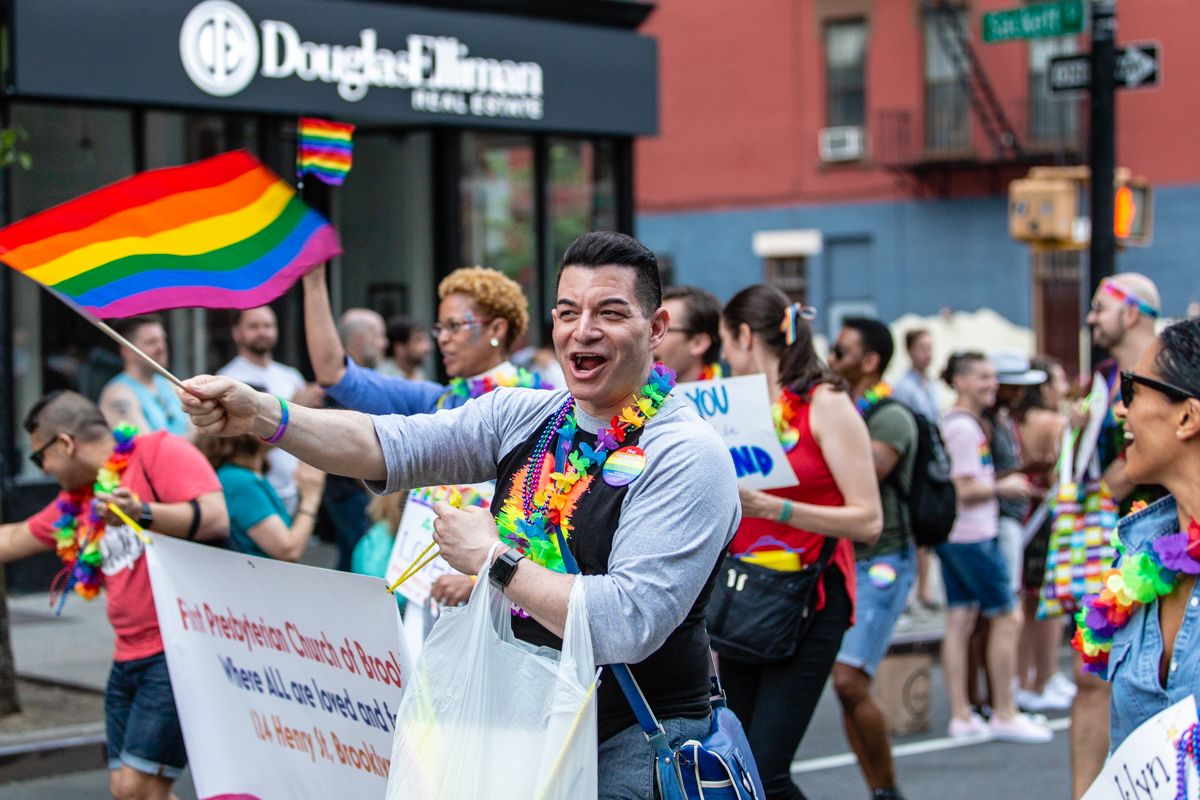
x=485 y=715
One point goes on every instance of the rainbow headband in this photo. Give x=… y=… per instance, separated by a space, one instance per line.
x=1129 y=298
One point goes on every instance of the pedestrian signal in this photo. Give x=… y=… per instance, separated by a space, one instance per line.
x=1132 y=207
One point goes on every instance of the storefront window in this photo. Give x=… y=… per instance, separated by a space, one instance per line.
x=497 y=205
x=580 y=197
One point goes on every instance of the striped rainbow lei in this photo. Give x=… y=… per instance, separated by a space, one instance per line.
x=77 y=532
x=477 y=387
x=1142 y=578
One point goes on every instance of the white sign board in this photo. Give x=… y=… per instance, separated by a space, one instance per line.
x=1144 y=766
x=287 y=678
x=740 y=411
x=416 y=533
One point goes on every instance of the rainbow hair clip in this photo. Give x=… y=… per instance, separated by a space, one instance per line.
x=791 y=317
x=1129 y=298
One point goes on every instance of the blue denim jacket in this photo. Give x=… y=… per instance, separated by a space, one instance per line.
x=1137 y=648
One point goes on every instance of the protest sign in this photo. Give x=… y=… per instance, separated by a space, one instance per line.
x=1144 y=765
x=740 y=411
x=287 y=678
x=416 y=532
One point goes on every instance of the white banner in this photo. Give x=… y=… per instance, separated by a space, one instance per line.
x=416 y=533
x=287 y=678
x=740 y=410
x=1144 y=766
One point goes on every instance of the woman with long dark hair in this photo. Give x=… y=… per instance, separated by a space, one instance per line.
x=808 y=527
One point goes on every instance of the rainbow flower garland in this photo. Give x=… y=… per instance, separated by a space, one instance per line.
x=77 y=535
x=470 y=388
x=711 y=372
x=874 y=396
x=783 y=411
x=1142 y=578
x=529 y=520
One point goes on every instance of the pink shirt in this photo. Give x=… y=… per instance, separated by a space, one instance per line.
x=165 y=469
x=971 y=457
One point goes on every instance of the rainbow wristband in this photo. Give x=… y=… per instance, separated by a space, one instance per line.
x=283 y=423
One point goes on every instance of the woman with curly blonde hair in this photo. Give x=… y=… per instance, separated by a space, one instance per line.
x=481 y=315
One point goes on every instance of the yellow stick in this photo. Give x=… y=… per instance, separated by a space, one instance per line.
x=413 y=568
x=562 y=753
x=121 y=515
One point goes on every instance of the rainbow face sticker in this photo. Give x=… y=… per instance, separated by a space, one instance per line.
x=624 y=466
x=882 y=575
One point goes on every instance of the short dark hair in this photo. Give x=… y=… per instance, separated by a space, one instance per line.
x=64 y=411
x=703 y=315
x=959 y=363
x=609 y=248
x=876 y=338
x=400 y=330
x=128 y=327
x=762 y=308
x=911 y=337
x=1178 y=359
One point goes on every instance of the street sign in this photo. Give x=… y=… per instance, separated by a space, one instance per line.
x=1059 y=18
x=1138 y=66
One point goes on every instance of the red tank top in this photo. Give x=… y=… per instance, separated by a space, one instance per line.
x=817 y=487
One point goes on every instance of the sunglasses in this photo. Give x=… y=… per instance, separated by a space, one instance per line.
x=1128 y=379
x=838 y=352
x=38 y=456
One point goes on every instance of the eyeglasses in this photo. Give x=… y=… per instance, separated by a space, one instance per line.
x=454 y=326
x=38 y=456
x=1128 y=379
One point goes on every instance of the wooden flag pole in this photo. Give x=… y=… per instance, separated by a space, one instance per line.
x=121 y=340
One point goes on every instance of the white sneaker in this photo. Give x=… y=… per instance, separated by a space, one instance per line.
x=1049 y=700
x=971 y=728
x=1020 y=729
x=1062 y=685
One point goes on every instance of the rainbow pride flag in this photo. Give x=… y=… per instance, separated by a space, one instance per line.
x=225 y=232
x=324 y=149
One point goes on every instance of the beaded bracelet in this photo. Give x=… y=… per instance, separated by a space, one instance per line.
x=283 y=423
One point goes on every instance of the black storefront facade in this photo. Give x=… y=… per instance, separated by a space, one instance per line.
x=488 y=133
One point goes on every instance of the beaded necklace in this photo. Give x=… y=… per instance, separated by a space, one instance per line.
x=470 y=388
x=711 y=372
x=1142 y=578
x=874 y=396
x=77 y=535
x=1187 y=747
x=535 y=524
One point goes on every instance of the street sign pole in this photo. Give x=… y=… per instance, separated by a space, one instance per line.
x=1102 y=145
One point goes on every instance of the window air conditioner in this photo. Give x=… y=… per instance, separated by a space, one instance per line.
x=843 y=143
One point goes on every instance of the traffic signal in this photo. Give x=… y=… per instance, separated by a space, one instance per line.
x=1042 y=209
x=1133 y=206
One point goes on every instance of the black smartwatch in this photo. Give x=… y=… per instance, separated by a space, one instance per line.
x=146 y=518
x=505 y=567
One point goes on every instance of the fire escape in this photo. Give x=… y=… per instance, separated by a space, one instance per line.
x=918 y=150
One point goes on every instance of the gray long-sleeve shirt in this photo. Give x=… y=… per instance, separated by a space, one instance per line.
x=676 y=518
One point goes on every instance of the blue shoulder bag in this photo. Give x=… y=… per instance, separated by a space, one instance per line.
x=721 y=767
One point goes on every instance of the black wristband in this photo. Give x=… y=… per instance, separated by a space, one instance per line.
x=194 y=528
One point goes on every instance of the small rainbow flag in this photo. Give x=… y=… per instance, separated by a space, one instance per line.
x=225 y=232
x=324 y=149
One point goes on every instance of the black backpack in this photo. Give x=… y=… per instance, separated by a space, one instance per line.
x=931 y=499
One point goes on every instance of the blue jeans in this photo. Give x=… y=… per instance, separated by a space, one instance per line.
x=883 y=584
x=976 y=574
x=140 y=721
x=627 y=761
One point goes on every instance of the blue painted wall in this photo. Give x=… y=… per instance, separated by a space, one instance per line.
x=915 y=255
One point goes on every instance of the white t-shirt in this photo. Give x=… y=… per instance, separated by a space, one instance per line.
x=278 y=379
x=971 y=456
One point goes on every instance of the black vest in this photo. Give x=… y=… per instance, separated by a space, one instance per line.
x=675 y=678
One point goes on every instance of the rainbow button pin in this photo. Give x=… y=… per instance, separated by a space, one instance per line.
x=623 y=466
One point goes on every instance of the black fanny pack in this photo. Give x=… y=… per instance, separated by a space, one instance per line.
x=759 y=615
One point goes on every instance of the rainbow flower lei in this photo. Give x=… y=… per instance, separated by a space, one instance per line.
x=783 y=411
x=874 y=396
x=470 y=388
x=77 y=535
x=711 y=372
x=531 y=527
x=1142 y=578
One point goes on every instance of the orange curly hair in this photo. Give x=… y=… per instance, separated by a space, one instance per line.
x=495 y=295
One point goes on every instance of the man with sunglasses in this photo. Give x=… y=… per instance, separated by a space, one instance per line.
x=168 y=487
x=1124 y=309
